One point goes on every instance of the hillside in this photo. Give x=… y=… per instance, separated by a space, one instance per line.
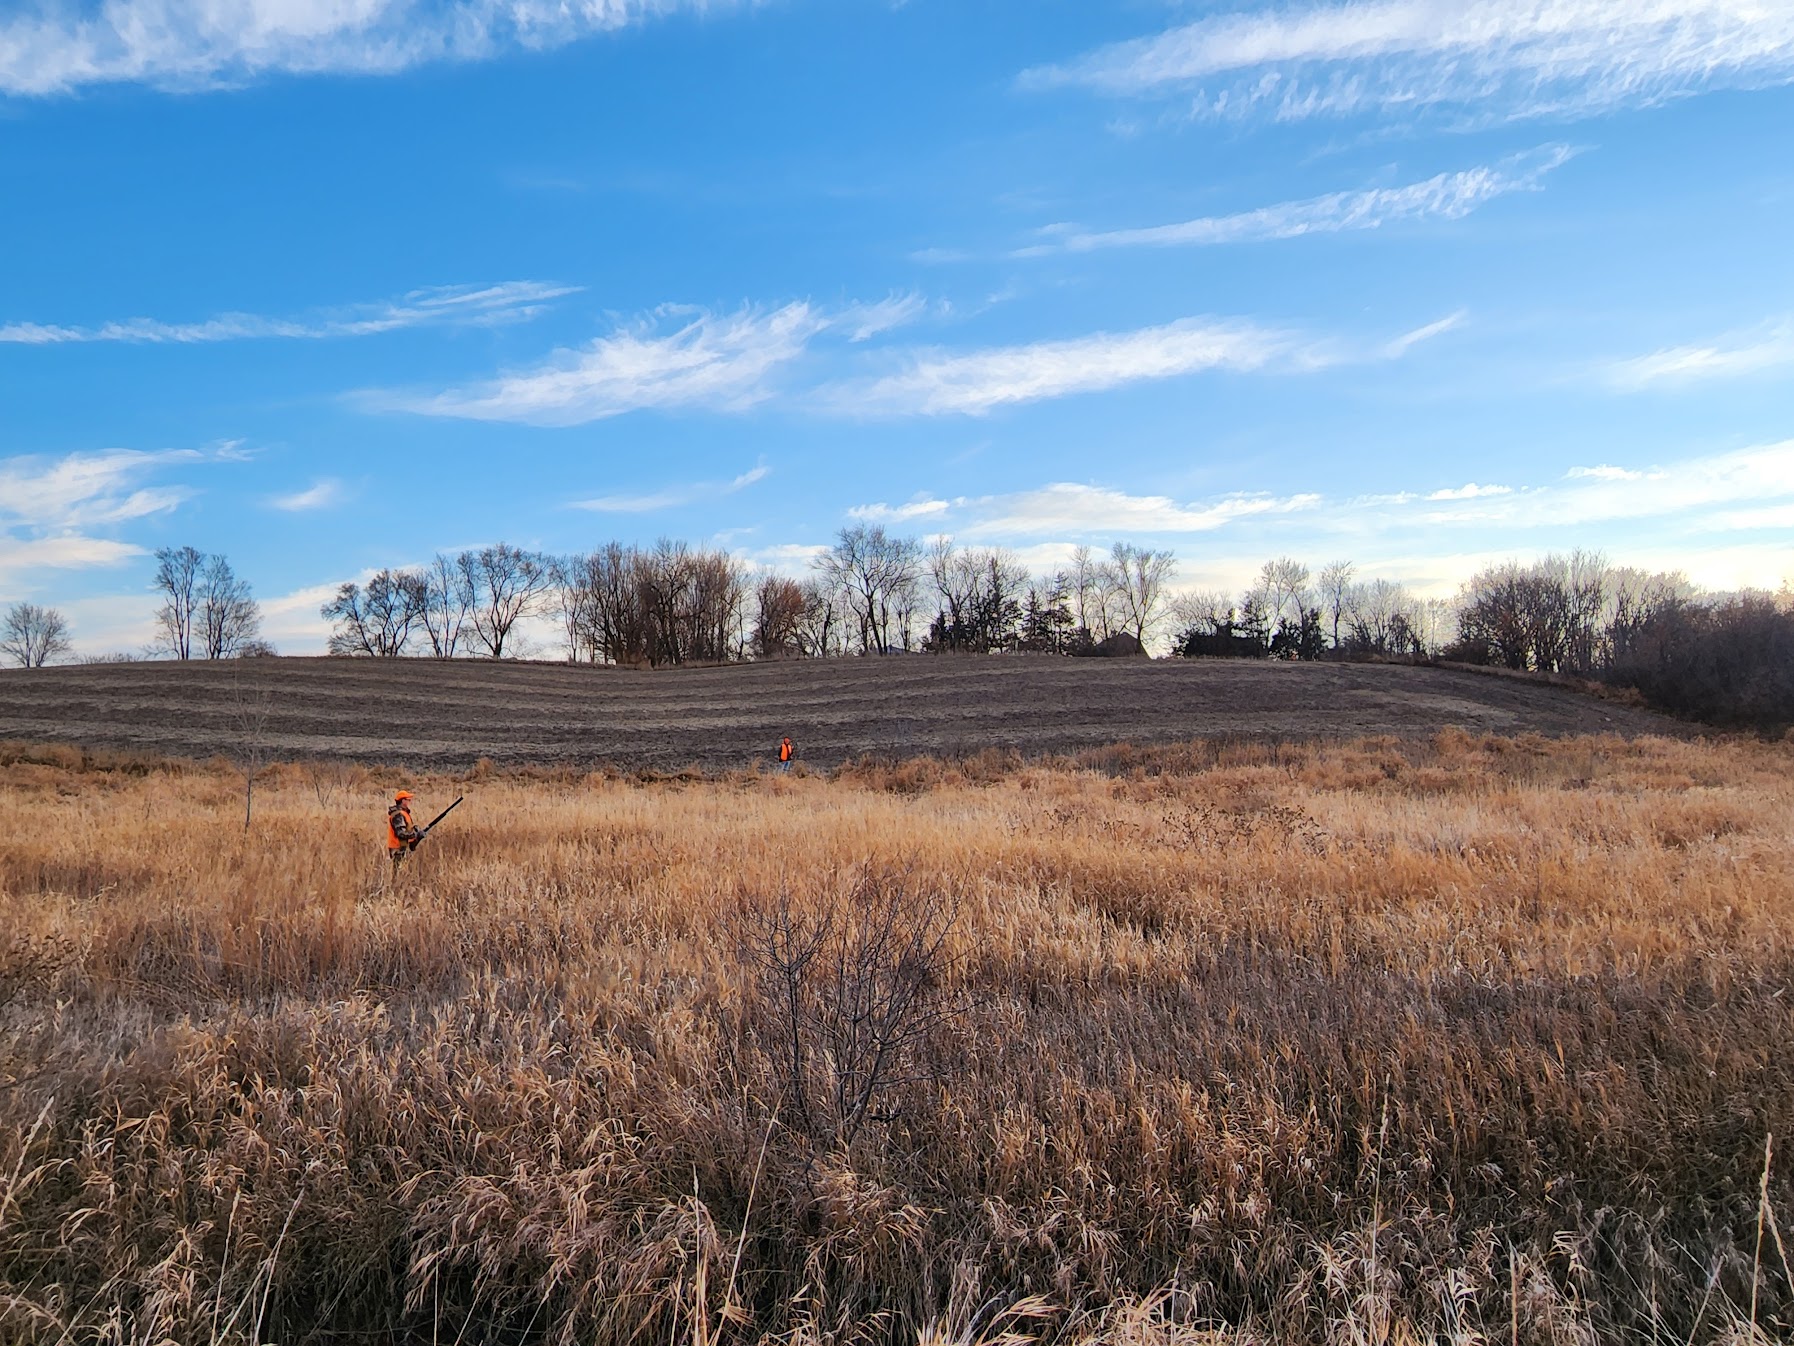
x=429 y=714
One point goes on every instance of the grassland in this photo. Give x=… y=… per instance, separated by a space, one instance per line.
x=1468 y=1039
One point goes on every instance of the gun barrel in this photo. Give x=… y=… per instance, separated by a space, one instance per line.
x=440 y=816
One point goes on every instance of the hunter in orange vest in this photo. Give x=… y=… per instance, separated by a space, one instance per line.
x=785 y=753
x=402 y=835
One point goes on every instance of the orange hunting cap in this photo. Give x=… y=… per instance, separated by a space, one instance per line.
x=403 y=794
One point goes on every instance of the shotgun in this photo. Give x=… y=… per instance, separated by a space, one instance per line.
x=438 y=818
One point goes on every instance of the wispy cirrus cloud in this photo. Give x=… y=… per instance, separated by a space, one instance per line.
x=444 y=306
x=1081 y=510
x=1495 y=58
x=675 y=358
x=922 y=507
x=88 y=490
x=694 y=359
x=673 y=496
x=975 y=383
x=320 y=495
x=1445 y=196
x=62 y=45
x=1768 y=347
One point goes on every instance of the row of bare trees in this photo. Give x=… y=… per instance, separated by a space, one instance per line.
x=666 y=604
x=1572 y=614
x=470 y=603
x=872 y=592
x=983 y=599
x=1723 y=658
x=1290 y=612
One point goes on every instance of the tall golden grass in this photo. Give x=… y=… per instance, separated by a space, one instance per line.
x=1473 y=1040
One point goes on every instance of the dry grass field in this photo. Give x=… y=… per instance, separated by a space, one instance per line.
x=1450 y=1039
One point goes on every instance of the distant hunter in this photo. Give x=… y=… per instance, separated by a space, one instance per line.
x=402 y=835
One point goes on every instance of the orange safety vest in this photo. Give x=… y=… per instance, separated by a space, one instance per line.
x=785 y=751
x=394 y=842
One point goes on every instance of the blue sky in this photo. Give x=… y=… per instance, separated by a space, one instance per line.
x=330 y=285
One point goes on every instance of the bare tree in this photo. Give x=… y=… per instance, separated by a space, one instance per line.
x=621 y=632
x=1550 y=616
x=251 y=705
x=1585 y=580
x=1138 y=576
x=778 y=617
x=226 y=618
x=822 y=630
x=448 y=598
x=1091 y=593
x=34 y=635
x=573 y=603
x=177 y=579
x=1284 y=586
x=879 y=572
x=379 y=620
x=1381 y=618
x=1203 y=610
x=507 y=584
x=980 y=592
x=718 y=608
x=1335 y=586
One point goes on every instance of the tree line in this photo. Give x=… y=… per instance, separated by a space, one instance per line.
x=1725 y=658
x=1721 y=658
x=871 y=592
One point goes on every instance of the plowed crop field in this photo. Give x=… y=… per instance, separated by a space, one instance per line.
x=428 y=714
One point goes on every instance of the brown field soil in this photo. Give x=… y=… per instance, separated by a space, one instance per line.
x=428 y=714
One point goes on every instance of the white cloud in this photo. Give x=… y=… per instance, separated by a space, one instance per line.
x=1769 y=347
x=1689 y=508
x=942 y=382
x=444 y=306
x=321 y=495
x=682 y=358
x=793 y=559
x=673 y=497
x=1470 y=491
x=1505 y=58
x=1075 y=509
x=919 y=508
x=865 y=321
x=86 y=490
x=50 y=507
x=292 y=622
x=23 y=559
x=1446 y=196
x=1401 y=345
x=63 y=45
x=710 y=362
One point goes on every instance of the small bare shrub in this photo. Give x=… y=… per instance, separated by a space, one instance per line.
x=848 y=991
